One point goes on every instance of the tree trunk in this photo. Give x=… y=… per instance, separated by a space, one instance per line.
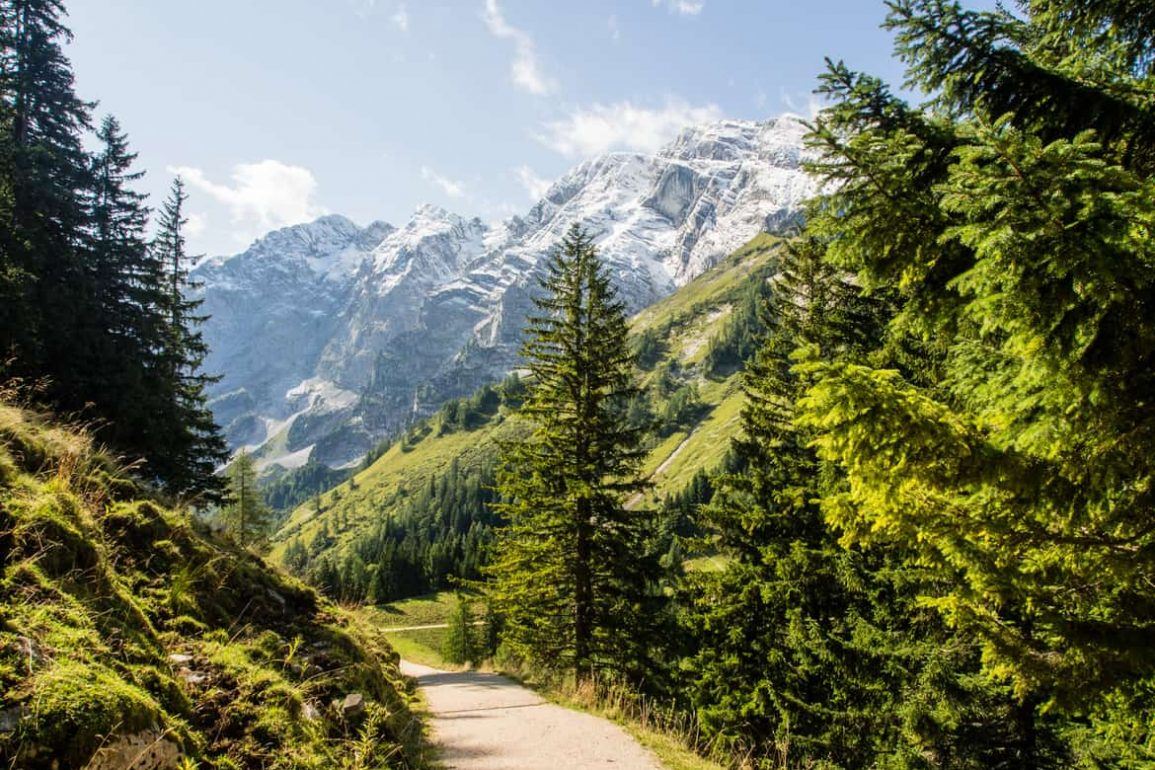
x=583 y=593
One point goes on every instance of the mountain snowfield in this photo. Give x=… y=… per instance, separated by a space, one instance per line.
x=331 y=336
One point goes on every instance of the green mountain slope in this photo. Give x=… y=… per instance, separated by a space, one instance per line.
x=130 y=637
x=683 y=330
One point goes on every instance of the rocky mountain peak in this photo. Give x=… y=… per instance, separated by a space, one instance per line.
x=408 y=317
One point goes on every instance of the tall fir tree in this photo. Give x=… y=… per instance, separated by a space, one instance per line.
x=85 y=309
x=809 y=651
x=574 y=576
x=775 y=672
x=116 y=365
x=196 y=446
x=46 y=297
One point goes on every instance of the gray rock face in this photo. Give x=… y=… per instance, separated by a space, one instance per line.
x=331 y=336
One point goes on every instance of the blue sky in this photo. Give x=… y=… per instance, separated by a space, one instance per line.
x=277 y=111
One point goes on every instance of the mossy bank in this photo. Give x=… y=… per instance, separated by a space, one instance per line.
x=130 y=637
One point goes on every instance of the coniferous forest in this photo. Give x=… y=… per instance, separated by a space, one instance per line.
x=930 y=533
x=96 y=319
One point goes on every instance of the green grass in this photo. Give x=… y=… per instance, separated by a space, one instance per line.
x=418 y=611
x=710 y=290
x=669 y=749
x=375 y=490
x=706 y=446
x=420 y=646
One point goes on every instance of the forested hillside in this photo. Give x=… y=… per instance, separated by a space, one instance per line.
x=420 y=513
x=874 y=493
x=131 y=636
x=932 y=524
x=95 y=315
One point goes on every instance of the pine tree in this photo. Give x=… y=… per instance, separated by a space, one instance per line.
x=574 y=577
x=195 y=446
x=775 y=672
x=1012 y=222
x=459 y=646
x=117 y=367
x=83 y=305
x=245 y=516
x=45 y=295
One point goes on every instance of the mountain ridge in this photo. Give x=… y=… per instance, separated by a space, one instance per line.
x=685 y=325
x=327 y=343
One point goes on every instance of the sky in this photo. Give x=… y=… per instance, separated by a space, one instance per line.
x=279 y=111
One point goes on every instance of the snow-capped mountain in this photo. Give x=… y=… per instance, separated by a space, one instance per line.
x=330 y=336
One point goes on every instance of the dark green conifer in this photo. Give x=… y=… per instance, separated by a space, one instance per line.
x=574 y=576
x=45 y=295
x=195 y=446
x=1012 y=222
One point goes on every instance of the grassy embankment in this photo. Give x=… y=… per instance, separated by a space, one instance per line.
x=128 y=631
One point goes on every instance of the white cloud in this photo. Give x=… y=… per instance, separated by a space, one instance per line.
x=525 y=69
x=682 y=7
x=805 y=106
x=196 y=225
x=364 y=8
x=623 y=126
x=263 y=195
x=450 y=187
x=535 y=185
x=400 y=17
x=614 y=27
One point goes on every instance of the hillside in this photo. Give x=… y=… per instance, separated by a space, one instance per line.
x=130 y=637
x=699 y=405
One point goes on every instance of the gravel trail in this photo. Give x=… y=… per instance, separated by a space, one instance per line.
x=489 y=722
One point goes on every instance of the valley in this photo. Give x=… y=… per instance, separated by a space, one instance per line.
x=672 y=430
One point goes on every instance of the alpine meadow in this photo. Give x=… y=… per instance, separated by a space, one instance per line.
x=765 y=438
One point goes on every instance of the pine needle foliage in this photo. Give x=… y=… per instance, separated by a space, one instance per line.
x=1011 y=217
x=574 y=576
x=85 y=300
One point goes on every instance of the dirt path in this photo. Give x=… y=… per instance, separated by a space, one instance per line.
x=638 y=498
x=399 y=629
x=488 y=722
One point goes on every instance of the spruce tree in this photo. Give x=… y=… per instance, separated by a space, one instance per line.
x=245 y=515
x=195 y=446
x=775 y=672
x=117 y=367
x=1011 y=219
x=574 y=577
x=46 y=298
x=83 y=300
